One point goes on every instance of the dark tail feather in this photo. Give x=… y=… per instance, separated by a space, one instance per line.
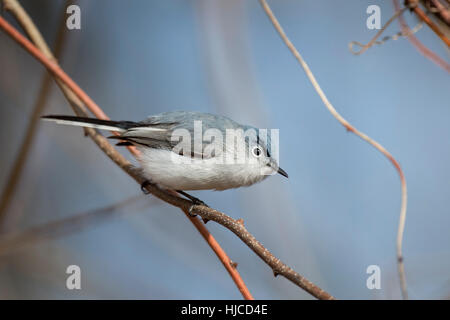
x=92 y=122
x=124 y=144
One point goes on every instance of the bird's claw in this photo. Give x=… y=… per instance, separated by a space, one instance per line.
x=192 y=215
x=144 y=185
x=196 y=202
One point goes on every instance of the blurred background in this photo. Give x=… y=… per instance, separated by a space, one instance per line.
x=335 y=215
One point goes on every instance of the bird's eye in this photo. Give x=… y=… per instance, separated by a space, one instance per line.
x=257 y=151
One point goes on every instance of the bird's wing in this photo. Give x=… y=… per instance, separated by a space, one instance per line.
x=174 y=136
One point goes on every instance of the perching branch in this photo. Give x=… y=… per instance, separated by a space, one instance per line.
x=360 y=134
x=207 y=213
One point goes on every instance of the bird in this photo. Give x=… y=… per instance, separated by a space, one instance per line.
x=188 y=150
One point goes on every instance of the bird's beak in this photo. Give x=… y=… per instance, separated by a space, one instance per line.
x=282 y=172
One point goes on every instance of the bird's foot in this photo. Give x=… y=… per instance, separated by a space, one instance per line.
x=144 y=185
x=195 y=202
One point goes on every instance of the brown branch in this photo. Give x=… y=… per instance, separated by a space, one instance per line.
x=442 y=11
x=19 y=162
x=416 y=43
x=235 y=226
x=422 y=15
x=360 y=134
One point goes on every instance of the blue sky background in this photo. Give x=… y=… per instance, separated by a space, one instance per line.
x=335 y=215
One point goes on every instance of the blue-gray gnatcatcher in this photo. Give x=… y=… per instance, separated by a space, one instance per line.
x=183 y=150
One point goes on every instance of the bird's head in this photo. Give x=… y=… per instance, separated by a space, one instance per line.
x=263 y=150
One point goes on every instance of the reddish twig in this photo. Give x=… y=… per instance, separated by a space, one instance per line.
x=350 y=128
x=444 y=13
x=417 y=44
x=422 y=15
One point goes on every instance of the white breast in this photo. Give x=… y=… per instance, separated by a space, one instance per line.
x=183 y=173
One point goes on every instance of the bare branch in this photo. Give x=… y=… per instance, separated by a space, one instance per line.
x=413 y=4
x=416 y=43
x=444 y=13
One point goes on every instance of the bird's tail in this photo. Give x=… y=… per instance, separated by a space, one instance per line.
x=119 y=126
